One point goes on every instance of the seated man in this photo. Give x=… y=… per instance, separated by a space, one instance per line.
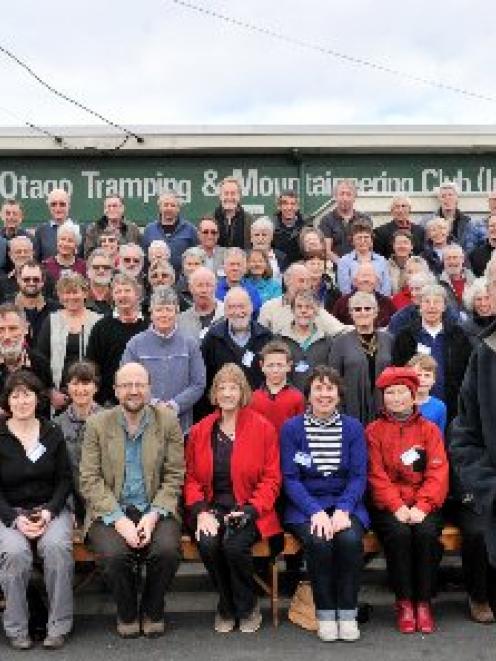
x=131 y=476
x=235 y=267
x=455 y=278
x=206 y=309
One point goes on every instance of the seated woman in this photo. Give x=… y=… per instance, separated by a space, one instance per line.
x=232 y=481
x=259 y=275
x=477 y=302
x=192 y=259
x=408 y=480
x=360 y=356
x=320 y=281
x=309 y=346
x=68 y=240
x=35 y=481
x=324 y=465
x=64 y=334
x=82 y=385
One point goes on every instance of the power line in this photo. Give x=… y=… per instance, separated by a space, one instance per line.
x=39 y=129
x=67 y=98
x=351 y=59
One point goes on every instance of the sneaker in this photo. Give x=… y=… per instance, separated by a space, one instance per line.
x=251 y=622
x=348 y=630
x=54 y=642
x=128 y=629
x=223 y=624
x=480 y=611
x=153 y=629
x=425 y=618
x=405 y=616
x=21 y=643
x=327 y=630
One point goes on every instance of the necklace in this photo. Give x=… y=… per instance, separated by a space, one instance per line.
x=369 y=343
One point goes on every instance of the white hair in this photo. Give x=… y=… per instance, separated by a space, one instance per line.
x=263 y=223
x=70 y=227
x=478 y=287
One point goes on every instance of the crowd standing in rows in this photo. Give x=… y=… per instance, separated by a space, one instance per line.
x=240 y=377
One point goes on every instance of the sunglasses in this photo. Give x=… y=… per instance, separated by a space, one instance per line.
x=34 y=279
x=213 y=232
x=55 y=203
x=131 y=260
x=363 y=308
x=103 y=267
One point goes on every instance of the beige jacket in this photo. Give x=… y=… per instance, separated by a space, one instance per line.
x=103 y=462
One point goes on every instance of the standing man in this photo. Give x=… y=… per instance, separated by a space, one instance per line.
x=171 y=227
x=12 y=217
x=30 y=298
x=99 y=272
x=462 y=228
x=206 y=309
x=45 y=235
x=288 y=223
x=401 y=209
x=113 y=218
x=208 y=239
x=131 y=477
x=337 y=224
x=235 y=267
x=233 y=221
x=172 y=358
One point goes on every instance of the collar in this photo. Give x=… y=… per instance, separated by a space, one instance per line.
x=40 y=303
x=273 y=395
x=161 y=335
x=322 y=422
x=144 y=420
x=433 y=332
x=139 y=316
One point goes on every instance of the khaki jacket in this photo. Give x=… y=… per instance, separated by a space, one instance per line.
x=103 y=462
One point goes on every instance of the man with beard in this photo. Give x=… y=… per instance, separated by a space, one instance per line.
x=131 y=477
x=233 y=221
x=131 y=261
x=30 y=298
x=15 y=355
x=99 y=273
x=110 y=335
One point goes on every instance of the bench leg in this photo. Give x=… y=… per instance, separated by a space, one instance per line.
x=274 y=596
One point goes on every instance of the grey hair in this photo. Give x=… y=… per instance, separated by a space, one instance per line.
x=163 y=295
x=126 y=246
x=20 y=239
x=308 y=297
x=478 y=286
x=163 y=244
x=127 y=281
x=194 y=251
x=345 y=182
x=417 y=259
x=448 y=185
x=362 y=298
x=286 y=276
x=437 y=220
x=487 y=271
x=164 y=265
x=421 y=279
x=453 y=247
x=234 y=252
x=397 y=198
x=237 y=290
x=70 y=226
x=170 y=193
x=97 y=252
x=433 y=290
x=263 y=223
x=202 y=270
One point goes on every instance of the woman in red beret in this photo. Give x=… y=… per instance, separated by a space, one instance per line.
x=408 y=479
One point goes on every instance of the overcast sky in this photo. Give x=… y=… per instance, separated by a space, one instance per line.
x=154 y=62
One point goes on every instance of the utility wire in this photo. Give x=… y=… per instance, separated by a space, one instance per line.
x=67 y=98
x=351 y=59
x=57 y=138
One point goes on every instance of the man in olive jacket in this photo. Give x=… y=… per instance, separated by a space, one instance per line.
x=131 y=476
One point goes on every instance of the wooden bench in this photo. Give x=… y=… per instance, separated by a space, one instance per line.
x=450 y=539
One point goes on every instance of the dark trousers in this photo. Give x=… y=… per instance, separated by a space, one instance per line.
x=334 y=568
x=229 y=562
x=413 y=553
x=120 y=567
x=475 y=562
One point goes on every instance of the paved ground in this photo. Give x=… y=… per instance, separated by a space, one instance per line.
x=190 y=636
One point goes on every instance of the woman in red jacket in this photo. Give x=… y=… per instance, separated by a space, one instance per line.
x=408 y=479
x=232 y=480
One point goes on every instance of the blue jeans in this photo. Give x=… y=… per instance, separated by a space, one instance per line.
x=334 y=569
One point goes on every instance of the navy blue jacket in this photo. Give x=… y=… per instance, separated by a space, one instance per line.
x=183 y=237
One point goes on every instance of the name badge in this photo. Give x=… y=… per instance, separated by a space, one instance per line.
x=421 y=348
x=248 y=358
x=303 y=459
x=301 y=367
x=203 y=332
x=220 y=272
x=36 y=453
x=409 y=457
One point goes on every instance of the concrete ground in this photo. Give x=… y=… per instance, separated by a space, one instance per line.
x=190 y=611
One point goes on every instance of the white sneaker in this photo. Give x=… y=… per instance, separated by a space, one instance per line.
x=328 y=630
x=348 y=630
x=223 y=624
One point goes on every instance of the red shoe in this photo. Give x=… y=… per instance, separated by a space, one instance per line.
x=405 y=616
x=425 y=618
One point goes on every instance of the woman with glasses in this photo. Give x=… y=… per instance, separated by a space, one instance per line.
x=64 y=335
x=360 y=356
x=108 y=241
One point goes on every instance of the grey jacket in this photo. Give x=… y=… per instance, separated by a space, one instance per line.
x=361 y=398
x=317 y=353
x=189 y=321
x=176 y=368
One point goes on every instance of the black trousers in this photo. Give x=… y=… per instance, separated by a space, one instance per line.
x=334 y=568
x=120 y=567
x=477 y=573
x=413 y=553
x=228 y=560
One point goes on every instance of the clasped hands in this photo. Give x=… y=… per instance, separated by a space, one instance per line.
x=35 y=524
x=139 y=535
x=208 y=524
x=411 y=515
x=323 y=525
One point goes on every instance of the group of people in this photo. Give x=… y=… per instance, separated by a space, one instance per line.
x=236 y=379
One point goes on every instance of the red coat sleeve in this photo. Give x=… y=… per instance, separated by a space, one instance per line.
x=194 y=489
x=434 y=489
x=266 y=491
x=385 y=494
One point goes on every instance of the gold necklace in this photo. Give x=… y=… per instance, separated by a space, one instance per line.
x=369 y=346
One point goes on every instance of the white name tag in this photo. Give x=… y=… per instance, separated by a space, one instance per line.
x=303 y=459
x=203 y=332
x=248 y=358
x=302 y=366
x=409 y=457
x=421 y=348
x=36 y=453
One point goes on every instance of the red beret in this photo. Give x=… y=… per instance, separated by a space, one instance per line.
x=393 y=376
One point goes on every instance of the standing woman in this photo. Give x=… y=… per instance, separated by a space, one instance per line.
x=35 y=481
x=64 y=334
x=232 y=481
x=324 y=464
x=408 y=480
x=360 y=356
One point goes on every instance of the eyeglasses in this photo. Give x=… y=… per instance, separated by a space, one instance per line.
x=103 y=267
x=34 y=279
x=131 y=260
x=362 y=308
x=131 y=386
x=57 y=203
x=213 y=232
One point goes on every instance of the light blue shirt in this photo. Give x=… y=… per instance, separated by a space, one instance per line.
x=347 y=266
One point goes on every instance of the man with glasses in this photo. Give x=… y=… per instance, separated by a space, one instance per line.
x=108 y=241
x=20 y=252
x=99 y=273
x=131 y=261
x=401 y=208
x=11 y=214
x=131 y=477
x=45 y=235
x=208 y=237
x=30 y=298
